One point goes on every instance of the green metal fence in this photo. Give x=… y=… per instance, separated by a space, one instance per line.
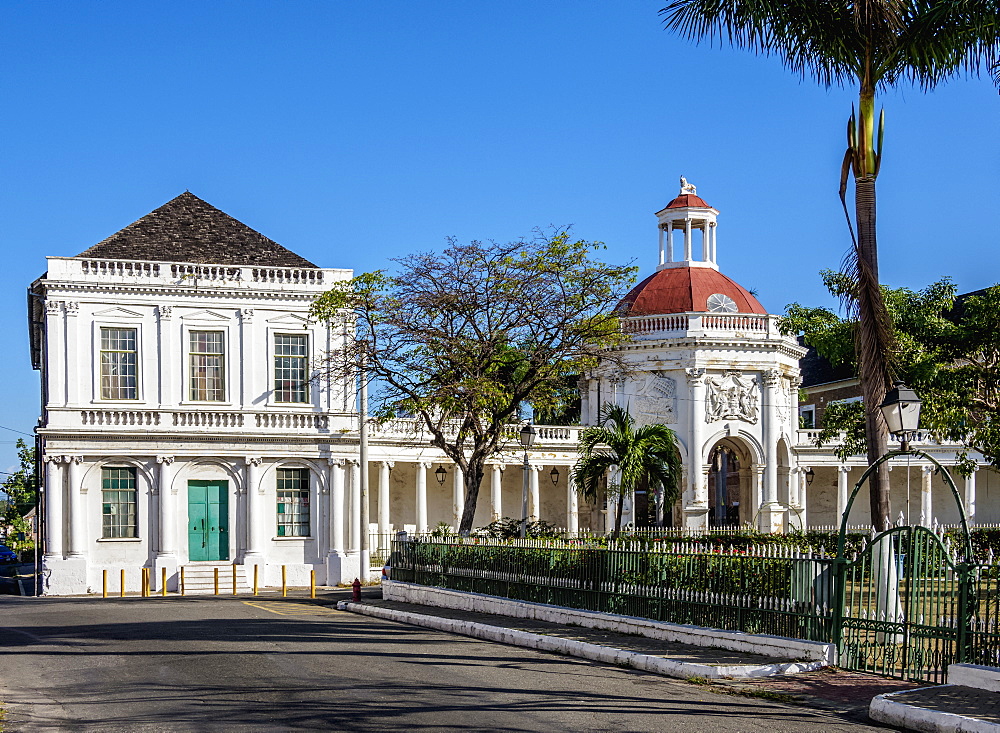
x=771 y=591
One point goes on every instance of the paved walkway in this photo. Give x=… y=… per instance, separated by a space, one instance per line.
x=834 y=690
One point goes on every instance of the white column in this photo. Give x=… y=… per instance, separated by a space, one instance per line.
x=793 y=409
x=572 y=505
x=457 y=496
x=695 y=504
x=670 y=241
x=355 y=539
x=53 y=507
x=662 y=259
x=168 y=528
x=77 y=510
x=383 y=501
x=843 y=487
x=55 y=347
x=533 y=498
x=251 y=358
x=803 y=498
x=496 y=492
x=72 y=352
x=771 y=515
x=257 y=519
x=970 y=496
x=715 y=254
x=168 y=369
x=421 y=474
x=336 y=505
x=926 y=503
x=687 y=240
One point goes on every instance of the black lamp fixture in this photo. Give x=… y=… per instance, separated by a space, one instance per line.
x=810 y=475
x=554 y=475
x=527 y=435
x=901 y=410
x=440 y=474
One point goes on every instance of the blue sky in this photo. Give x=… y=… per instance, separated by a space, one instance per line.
x=356 y=132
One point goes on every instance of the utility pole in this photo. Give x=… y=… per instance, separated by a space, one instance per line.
x=363 y=469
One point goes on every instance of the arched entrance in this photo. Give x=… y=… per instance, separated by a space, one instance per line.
x=729 y=492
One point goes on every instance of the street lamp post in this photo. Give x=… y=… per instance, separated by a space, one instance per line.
x=901 y=410
x=527 y=439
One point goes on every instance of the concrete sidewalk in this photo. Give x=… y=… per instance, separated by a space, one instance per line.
x=971 y=706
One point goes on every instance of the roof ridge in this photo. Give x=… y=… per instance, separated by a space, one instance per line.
x=189 y=229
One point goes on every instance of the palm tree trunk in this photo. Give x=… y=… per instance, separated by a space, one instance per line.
x=872 y=348
x=618 y=515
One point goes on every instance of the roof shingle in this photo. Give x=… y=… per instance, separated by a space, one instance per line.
x=187 y=229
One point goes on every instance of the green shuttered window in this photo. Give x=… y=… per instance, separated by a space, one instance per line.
x=293 y=502
x=118 y=495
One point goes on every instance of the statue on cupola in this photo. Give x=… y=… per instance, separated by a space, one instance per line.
x=706 y=359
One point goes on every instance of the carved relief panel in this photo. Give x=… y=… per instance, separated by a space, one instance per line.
x=732 y=396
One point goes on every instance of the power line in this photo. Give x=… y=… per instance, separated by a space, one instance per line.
x=17 y=431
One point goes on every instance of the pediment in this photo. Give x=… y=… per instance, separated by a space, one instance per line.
x=117 y=313
x=205 y=315
x=291 y=318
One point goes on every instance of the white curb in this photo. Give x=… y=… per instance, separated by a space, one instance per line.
x=885 y=709
x=573 y=648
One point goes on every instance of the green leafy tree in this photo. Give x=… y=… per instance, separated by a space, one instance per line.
x=21 y=488
x=461 y=339
x=634 y=456
x=873 y=45
x=948 y=351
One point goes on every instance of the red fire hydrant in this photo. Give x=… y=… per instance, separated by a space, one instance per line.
x=356 y=586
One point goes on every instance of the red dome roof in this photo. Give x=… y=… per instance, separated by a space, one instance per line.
x=687 y=200
x=684 y=290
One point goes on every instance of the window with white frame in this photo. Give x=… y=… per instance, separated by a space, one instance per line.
x=207 y=366
x=119 y=379
x=291 y=368
x=293 y=502
x=807 y=417
x=118 y=497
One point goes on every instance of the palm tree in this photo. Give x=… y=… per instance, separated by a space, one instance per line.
x=874 y=44
x=645 y=454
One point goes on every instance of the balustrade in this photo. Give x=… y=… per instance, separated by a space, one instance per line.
x=119 y=417
x=682 y=323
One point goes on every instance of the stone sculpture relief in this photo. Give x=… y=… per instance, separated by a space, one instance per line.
x=655 y=401
x=732 y=397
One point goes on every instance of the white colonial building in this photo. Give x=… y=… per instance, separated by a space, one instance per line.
x=182 y=427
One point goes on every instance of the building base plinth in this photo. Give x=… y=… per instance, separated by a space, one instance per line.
x=771 y=520
x=696 y=517
x=64 y=576
x=170 y=564
x=342 y=568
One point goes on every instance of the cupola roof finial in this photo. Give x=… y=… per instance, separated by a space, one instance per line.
x=687 y=188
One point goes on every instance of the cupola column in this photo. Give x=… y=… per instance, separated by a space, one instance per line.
x=662 y=260
x=687 y=240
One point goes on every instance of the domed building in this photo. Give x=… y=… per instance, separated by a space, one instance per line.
x=706 y=359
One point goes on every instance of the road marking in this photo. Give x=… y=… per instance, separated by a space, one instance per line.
x=286 y=608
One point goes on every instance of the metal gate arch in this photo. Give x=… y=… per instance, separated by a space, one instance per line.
x=904 y=604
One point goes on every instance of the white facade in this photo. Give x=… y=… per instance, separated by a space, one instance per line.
x=137 y=457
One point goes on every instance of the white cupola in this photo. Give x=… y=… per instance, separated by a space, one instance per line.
x=688 y=214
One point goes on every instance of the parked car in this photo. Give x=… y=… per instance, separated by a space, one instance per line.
x=7 y=554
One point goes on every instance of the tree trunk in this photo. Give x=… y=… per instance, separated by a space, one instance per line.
x=618 y=515
x=872 y=348
x=473 y=480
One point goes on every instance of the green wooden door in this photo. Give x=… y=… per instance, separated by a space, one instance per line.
x=208 y=520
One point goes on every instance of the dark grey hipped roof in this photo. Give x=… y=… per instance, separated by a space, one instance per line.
x=187 y=229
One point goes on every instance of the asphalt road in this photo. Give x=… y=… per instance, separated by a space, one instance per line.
x=204 y=664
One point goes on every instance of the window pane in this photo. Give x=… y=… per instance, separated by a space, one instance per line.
x=118 y=497
x=291 y=381
x=118 y=364
x=207 y=366
x=293 y=502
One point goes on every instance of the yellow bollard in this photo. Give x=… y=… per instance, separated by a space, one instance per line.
x=163 y=581
x=104 y=582
x=234 y=579
x=145 y=582
x=216 y=574
x=182 y=580
x=255 y=586
x=284 y=584
x=121 y=586
x=312 y=583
